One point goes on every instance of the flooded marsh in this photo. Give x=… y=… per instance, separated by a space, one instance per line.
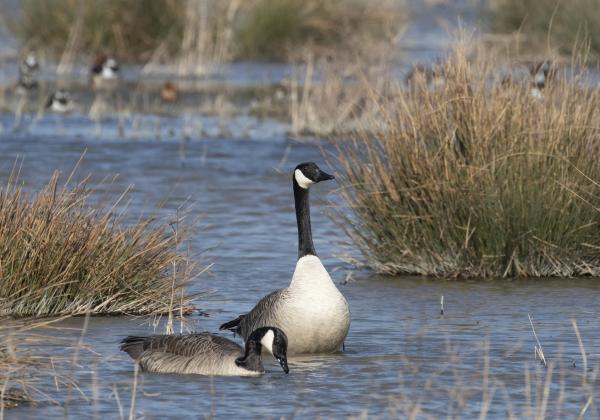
x=471 y=173
x=401 y=355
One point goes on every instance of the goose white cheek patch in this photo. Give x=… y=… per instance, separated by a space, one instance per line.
x=302 y=180
x=267 y=341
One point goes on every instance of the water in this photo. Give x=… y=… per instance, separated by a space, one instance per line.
x=401 y=354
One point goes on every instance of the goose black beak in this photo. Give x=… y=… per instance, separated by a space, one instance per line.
x=323 y=176
x=283 y=362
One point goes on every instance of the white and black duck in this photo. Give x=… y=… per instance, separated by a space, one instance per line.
x=59 y=101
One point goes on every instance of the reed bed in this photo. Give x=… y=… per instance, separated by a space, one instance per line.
x=474 y=384
x=129 y=29
x=478 y=178
x=561 y=25
x=279 y=29
x=199 y=32
x=332 y=96
x=59 y=255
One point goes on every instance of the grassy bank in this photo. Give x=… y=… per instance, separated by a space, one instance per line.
x=59 y=255
x=564 y=23
x=478 y=177
x=200 y=30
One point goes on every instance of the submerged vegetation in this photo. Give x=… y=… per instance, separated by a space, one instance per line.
x=478 y=177
x=59 y=255
x=143 y=30
x=565 y=24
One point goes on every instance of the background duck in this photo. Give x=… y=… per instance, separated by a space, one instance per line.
x=28 y=69
x=59 y=101
x=105 y=72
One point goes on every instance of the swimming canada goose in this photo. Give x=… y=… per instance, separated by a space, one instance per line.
x=207 y=354
x=59 y=101
x=312 y=311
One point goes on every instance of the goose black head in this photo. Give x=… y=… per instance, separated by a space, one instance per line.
x=275 y=341
x=309 y=173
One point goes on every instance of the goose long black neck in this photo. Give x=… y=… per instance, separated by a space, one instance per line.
x=305 y=242
x=251 y=360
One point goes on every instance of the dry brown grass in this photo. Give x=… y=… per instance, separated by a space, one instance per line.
x=332 y=96
x=199 y=33
x=475 y=178
x=59 y=255
x=559 y=24
x=29 y=372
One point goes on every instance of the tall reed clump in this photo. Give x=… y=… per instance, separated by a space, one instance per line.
x=335 y=81
x=59 y=255
x=200 y=32
x=564 y=23
x=336 y=95
x=478 y=178
x=131 y=30
x=274 y=29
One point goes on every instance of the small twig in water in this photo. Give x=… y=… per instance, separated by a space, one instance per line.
x=133 y=391
x=581 y=349
x=539 y=352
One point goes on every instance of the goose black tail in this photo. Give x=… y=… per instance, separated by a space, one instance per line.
x=233 y=325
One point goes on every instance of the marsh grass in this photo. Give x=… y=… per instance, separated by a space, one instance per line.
x=129 y=29
x=564 y=23
x=472 y=383
x=333 y=97
x=277 y=29
x=476 y=178
x=59 y=255
x=201 y=33
x=30 y=371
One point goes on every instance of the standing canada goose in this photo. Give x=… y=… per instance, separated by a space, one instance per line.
x=207 y=354
x=312 y=311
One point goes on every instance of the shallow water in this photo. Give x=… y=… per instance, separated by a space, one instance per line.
x=401 y=354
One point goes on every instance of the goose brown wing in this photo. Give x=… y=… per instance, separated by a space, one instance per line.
x=264 y=314
x=181 y=345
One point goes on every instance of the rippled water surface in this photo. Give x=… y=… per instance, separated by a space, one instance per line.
x=401 y=354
